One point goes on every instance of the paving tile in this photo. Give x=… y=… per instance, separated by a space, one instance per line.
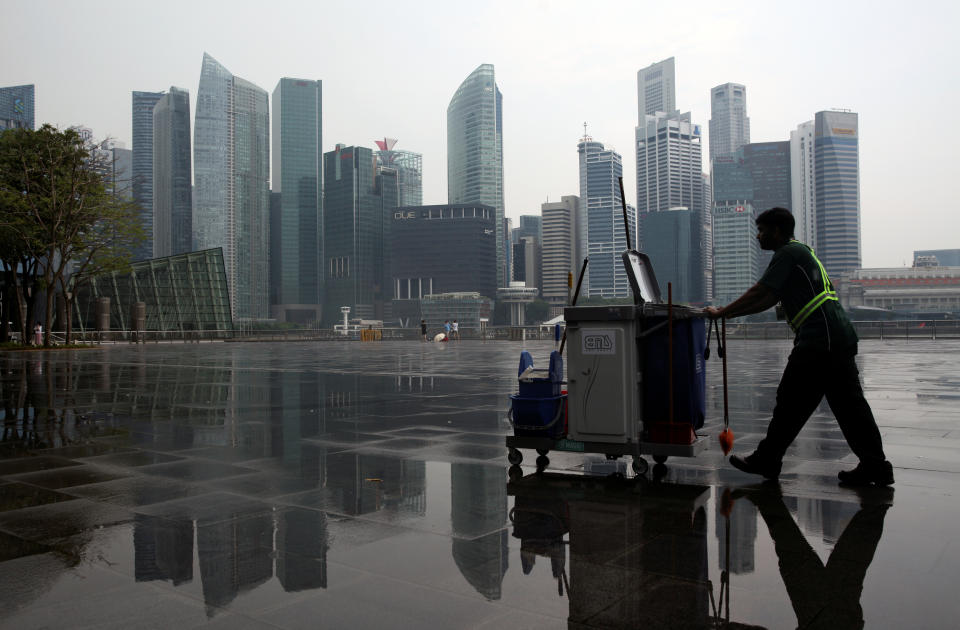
x=14 y=496
x=67 y=477
x=195 y=470
x=22 y=465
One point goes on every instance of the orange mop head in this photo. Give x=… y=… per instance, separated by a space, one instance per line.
x=726 y=440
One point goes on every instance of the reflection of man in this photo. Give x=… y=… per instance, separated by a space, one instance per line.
x=821 y=363
x=824 y=596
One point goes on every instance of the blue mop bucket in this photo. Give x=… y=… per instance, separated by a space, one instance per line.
x=538 y=417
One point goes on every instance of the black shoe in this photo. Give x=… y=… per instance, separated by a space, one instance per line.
x=881 y=475
x=756 y=465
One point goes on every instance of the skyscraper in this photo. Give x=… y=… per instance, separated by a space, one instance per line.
x=561 y=248
x=409 y=166
x=837 y=173
x=359 y=199
x=602 y=216
x=231 y=171
x=172 y=181
x=671 y=246
x=656 y=88
x=803 y=192
x=729 y=124
x=475 y=151
x=669 y=177
x=526 y=247
x=297 y=177
x=16 y=107
x=143 y=104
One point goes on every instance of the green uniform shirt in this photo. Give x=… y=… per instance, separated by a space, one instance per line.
x=794 y=276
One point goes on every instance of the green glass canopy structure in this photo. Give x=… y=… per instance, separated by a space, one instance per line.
x=187 y=292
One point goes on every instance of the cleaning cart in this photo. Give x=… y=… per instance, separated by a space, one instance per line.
x=635 y=381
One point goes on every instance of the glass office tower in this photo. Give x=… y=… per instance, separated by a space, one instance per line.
x=16 y=107
x=475 y=151
x=602 y=215
x=297 y=177
x=231 y=175
x=172 y=181
x=359 y=199
x=837 y=175
x=143 y=104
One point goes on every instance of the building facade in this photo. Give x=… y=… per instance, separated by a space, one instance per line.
x=601 y=214
x=231 y=174
x=526 y=250
x=938 y=257
x=409 y=167
x=440 y=249
x=671 y=246
x=560 y=252
x=358 y=199
x=911 y=291
x=17 y=105
x=670 y=176
x=657 y=88
x=803 y=190
x=143 y=104
x=475 y=151
x=837 y=174
x=729 y=123
x=297 y=255
x=172 y=175
x=737 y=252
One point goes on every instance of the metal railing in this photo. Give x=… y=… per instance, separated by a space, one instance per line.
x=892 y=329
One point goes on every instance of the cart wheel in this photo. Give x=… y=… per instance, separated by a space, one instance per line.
x=660 y=459
x=514 y=457
x=515 y=473
x=543 y=451
x=659 y=472
x=640 y=465
x=542 y=462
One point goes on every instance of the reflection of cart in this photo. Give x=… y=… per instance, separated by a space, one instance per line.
x=628 y=555
x=635 y=381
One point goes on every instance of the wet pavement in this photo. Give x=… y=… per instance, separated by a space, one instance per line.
x=342 y=484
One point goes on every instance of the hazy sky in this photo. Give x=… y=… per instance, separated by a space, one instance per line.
x=390 y=68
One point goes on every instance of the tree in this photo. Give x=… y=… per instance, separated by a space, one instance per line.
x=59 y=207
x=537 y=311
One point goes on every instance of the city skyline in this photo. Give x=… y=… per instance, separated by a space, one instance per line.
x=785 y=87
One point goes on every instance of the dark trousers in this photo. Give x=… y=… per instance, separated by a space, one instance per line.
x=808 y=377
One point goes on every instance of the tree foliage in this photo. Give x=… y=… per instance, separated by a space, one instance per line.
x=61 y=210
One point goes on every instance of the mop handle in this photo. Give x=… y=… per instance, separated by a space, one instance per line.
x=723 y=355
x=670 y=344
x=576 y=294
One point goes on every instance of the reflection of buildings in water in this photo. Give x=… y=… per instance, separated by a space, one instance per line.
x=410 y=375
x=163 y=549
x=818 y=517
x=235 y=556
x=302 y=544
x=360 y=484
x=479 y=516
x=743 y=535
x=635 y=561
x=294 y=413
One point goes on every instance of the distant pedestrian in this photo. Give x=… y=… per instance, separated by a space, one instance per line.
x=423 y=330
x=455 y=329
x=446 y=329
x=38 y=334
